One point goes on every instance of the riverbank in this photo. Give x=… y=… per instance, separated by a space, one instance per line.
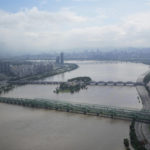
x=142 y=130
x=6 y=86
x=62 y=69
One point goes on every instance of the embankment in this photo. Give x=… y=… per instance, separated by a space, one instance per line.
x=143 y=130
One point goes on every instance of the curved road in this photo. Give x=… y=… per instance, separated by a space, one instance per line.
x=143 y=130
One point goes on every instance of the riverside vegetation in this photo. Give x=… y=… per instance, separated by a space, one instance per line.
x=146 y=81
x=6 y=88
x=137 y=145
x=126 y=144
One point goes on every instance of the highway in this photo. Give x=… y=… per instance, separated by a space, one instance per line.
x=142 y=129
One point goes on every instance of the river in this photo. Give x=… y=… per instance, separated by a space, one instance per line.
x=103 y=71
x=29 y=129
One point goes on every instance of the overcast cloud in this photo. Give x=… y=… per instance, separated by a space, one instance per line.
x=41 y=30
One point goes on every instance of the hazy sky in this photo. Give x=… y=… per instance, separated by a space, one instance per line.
x=45 y=25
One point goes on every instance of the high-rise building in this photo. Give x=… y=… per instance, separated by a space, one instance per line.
x=62 y=58
x=57 y=60
x=4 y=67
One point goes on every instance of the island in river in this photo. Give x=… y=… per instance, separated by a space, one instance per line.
x=73 y=85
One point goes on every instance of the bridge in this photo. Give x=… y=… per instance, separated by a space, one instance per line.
x=89 y=109
x=99 y=83
x=35 y=82
x=116 y=83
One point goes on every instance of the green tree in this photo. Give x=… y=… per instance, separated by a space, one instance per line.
x=126 y=142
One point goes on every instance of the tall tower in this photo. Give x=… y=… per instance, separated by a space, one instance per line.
x=57 y=60
x=62 y=58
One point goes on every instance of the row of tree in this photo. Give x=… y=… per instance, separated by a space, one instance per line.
x=138 y=145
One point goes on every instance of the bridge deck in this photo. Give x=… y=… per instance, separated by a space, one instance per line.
x=100 y=83
x=98 y=110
